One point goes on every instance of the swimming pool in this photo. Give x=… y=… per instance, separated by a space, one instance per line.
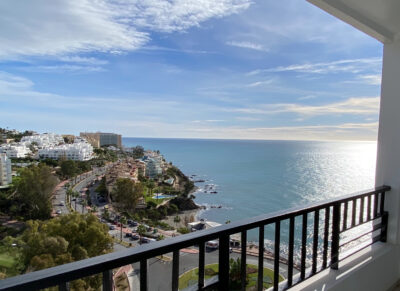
x=163 y=196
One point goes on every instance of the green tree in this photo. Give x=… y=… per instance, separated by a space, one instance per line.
x=137 y=152
x=102 y=189
x=68 y=168
x=65 y=239
x=126 y=194
x=33 y=192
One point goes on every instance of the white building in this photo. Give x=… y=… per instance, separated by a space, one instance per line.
x=43 y=140
x=5 y=170
x=153 y=168
x=78 y=151
x=15 y=150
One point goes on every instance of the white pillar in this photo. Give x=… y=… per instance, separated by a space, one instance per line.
x=388 y=158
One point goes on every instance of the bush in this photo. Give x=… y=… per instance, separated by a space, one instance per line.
x=172 y=209
x=183 y=230
x=210 y=272
x=151 y=204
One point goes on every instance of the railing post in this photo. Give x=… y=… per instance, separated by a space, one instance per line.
x=175 y=270
x=143 y=275
x=260 y=275
x=107 y=281
x=223 y=271
x=243 y=268
x=201 y=265
x=335 y=236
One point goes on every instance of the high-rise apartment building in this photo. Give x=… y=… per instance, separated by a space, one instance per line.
x=99 y=139
x=5 y=170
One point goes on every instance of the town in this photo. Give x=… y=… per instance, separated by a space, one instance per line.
x=47 y=180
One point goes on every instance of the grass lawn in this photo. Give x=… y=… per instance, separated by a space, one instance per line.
x=9 y=264
x=6 y=261
x=190 y=278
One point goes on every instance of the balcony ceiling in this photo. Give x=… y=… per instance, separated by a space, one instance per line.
x=377 y=18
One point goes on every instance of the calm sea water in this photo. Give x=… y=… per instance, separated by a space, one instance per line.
x=258 y=177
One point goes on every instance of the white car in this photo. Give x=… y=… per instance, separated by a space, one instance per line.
x=212 y=244
x=58 y=211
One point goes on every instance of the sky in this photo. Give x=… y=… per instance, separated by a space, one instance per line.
x=227 y=69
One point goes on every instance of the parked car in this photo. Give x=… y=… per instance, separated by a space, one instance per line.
x=62 y=203
x=212 y=244
x=111 y=227
x=58 y=211
x=145 y=240
x=132 y=223
x=128 y=234
x=134 y=237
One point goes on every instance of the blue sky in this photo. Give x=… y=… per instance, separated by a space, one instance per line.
x=187 y=68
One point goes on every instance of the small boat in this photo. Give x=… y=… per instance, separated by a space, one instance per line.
x=213 y=192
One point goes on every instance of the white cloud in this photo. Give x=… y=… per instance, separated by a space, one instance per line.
x=64 y=69
x=359 y=106
x=83 y=60
x=208 y=120
x=307 y=97
x=247 y=45
x=354 y=66
x=259 y=83
x=247 y=118
x=372 y=79
x=169 y=16
x=59 y=27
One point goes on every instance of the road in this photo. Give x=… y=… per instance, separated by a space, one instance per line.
x=59 y=199
x=160 y=271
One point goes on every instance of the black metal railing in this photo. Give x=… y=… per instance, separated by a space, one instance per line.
x=338 y=218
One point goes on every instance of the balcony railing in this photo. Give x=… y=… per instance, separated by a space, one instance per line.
x=329 y=219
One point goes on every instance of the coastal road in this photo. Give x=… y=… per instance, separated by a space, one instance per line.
x=82 y=181
x=58 y=198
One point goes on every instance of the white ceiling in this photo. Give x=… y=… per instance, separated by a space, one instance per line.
x=378 y=18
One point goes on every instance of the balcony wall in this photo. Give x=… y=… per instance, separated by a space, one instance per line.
x=375 y=268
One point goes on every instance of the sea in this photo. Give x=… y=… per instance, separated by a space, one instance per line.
x=253 y=177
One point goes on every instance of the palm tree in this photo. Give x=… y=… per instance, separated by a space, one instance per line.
x=235 y=273
x=150 y=186
x=84 y=203
x=75 y=194
x=141 y=230
x=122 y=221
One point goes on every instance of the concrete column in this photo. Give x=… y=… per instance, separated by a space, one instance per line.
x=388 y=158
